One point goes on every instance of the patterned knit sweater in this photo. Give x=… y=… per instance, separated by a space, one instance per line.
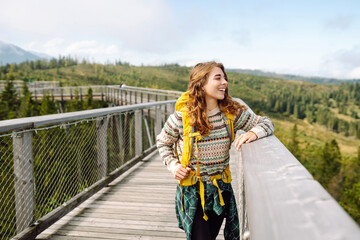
x=214 y=148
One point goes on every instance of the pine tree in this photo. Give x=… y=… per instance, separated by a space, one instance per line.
x=296 y=110
x=47 y=105
x=9 y=102
x=26 y=105
x=288 y=108
x=89 y=100
x=76 y=104
x=294 y=145
x=330 y=163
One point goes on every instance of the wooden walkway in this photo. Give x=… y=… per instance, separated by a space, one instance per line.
x=137 y=205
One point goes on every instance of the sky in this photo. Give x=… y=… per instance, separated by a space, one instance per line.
x=307 y=37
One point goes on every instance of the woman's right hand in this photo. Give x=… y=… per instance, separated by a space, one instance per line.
x=181 y=173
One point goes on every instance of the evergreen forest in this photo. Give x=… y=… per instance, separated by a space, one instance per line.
x=319 y=124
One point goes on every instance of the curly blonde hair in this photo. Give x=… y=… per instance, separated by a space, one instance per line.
x=196 y=104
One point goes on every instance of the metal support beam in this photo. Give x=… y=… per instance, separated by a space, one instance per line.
x=148 y=131
x=101 y=143
x=158 y=121
x=138 y=133
x=24 y=184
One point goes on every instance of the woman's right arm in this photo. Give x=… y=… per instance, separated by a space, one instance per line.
x=166 y=139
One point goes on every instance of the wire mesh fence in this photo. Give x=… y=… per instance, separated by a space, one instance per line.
x=42 y=168
x=65 y=163
x=7 y=190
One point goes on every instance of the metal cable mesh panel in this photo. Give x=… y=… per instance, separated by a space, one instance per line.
x=7 y=193
x=120 y=134
x=65 y=163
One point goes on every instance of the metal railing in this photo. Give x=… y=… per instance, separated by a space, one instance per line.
x=280 y=200
x=18 y=84
x=51 y=164
x=111 y=93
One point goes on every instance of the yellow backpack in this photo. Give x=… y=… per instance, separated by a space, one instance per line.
x=190 y=136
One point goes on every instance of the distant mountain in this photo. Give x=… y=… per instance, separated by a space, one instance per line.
x=10 y=53
x=320 y=80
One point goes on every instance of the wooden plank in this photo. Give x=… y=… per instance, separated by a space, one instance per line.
x=136 y=208
x=140 y=206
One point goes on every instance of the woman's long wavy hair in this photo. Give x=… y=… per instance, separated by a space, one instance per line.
x=197 y=104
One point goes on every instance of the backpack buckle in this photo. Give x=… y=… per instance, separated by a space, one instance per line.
x=194 y=179
x=206 y=179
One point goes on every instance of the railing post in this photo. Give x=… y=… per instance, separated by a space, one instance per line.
x=114 y=96
x=171 y=108
x=121 y=97
x=127 y=135
x=118 y=97
x=81 y=95
x=148 y=132
x=62 y=94
x=120 y=134
x=165 y=108
x=126 y=103
x=138 y=133
x=106 y=94
x=141 y=97
x=158 y=120
x=102 y=94
x=130 y=97
x=101 y=143
x=135 y=97
x=71 y=96
x=148 y=100
x=24 y=184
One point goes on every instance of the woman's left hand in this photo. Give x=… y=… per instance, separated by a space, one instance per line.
x=245 y=138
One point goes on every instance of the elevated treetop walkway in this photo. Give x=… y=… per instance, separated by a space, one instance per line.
x=52 y=164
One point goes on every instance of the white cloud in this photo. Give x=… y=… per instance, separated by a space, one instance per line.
x=343 y=63
x=355 y=73
x=90 y=48
x=142 y=25
x=339 y=22
x=53 y=43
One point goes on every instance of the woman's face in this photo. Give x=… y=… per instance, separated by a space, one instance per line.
x=216 y=84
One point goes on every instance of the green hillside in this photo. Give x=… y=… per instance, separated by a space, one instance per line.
x=318 y=123
x=320 y=80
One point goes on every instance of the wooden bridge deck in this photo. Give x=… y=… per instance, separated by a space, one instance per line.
x=137 y=205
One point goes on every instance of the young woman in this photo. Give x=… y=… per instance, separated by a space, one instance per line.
x=194 y=145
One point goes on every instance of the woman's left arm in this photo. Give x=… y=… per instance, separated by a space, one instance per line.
x=255 y=127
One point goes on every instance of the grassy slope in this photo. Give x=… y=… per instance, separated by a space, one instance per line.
x=313 y=134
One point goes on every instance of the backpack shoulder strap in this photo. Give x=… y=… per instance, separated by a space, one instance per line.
x=229 y=122
x=186 y=153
